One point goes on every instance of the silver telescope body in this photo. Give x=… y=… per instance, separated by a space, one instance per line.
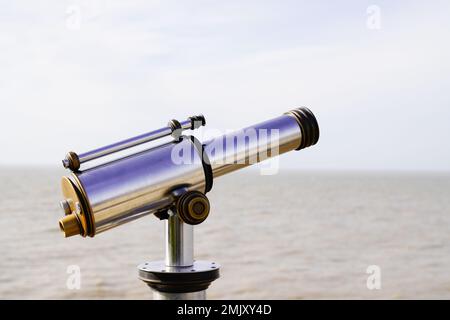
x=151 y=181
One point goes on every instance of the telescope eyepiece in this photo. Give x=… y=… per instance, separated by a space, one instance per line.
x=70 y=225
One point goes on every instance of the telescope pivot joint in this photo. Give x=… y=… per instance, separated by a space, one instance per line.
x=193 y=207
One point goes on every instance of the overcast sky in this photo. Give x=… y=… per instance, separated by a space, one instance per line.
x=79 y=74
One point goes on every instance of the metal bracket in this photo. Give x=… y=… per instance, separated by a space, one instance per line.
x=180 y=276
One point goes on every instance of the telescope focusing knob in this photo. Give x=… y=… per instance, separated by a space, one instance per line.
x=71 y=161
x=193 y=207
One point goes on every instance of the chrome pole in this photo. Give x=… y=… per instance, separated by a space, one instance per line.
x=179 y=256
x=199 y=295
x=179 y=276
x=179 y=242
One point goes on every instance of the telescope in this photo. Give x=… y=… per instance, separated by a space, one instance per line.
x=170 y=181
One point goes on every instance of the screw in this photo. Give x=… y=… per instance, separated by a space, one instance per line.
x=65 y=206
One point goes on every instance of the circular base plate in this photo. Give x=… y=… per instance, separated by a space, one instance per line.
x=179 y=279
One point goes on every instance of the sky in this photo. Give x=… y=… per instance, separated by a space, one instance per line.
x=75 y=75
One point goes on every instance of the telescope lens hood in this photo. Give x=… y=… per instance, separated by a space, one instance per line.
x=308 y=125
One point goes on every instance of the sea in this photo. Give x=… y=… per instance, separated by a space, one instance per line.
x=293 y=235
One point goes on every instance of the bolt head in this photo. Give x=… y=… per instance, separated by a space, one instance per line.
x=65 y=206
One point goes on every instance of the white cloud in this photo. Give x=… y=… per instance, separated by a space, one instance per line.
x=380 y=96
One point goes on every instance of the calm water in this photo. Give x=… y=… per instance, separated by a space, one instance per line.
x=289 y=236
